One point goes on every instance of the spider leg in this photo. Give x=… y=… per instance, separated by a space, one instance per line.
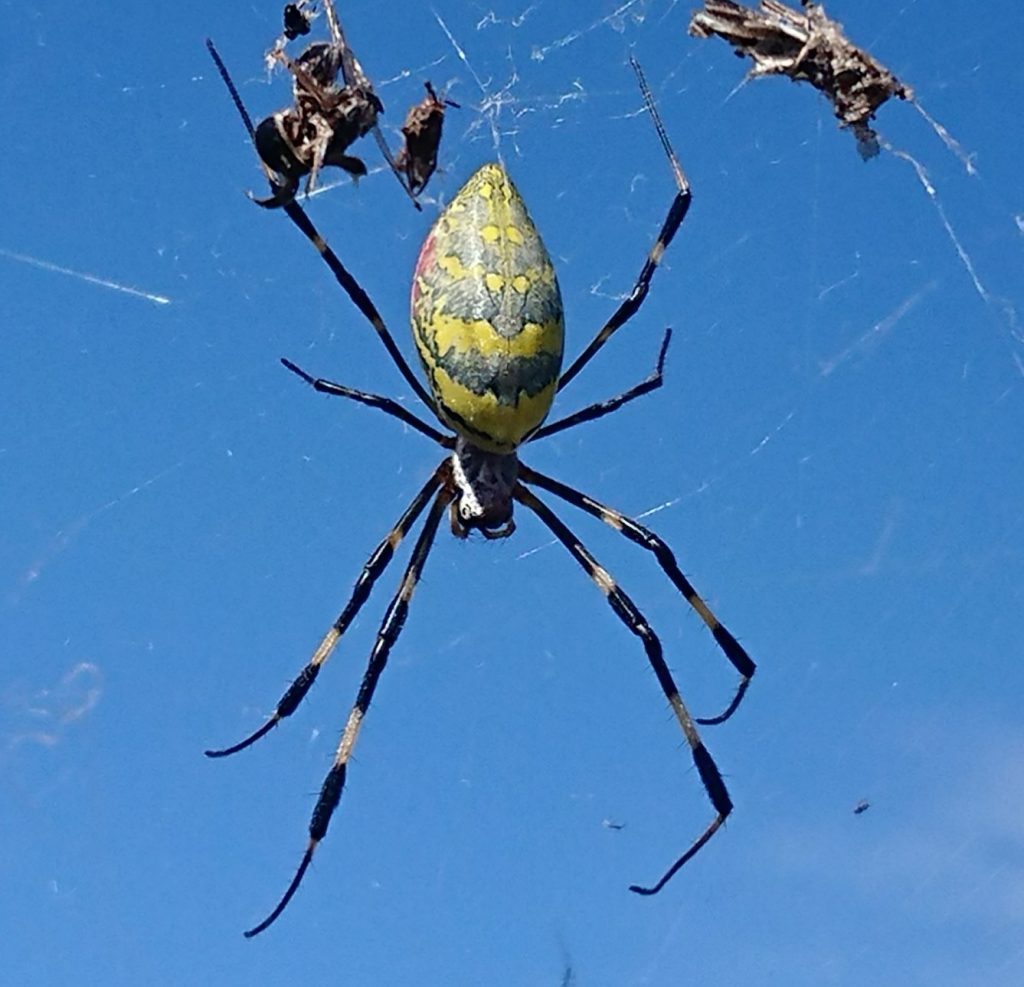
x=646 y=538
x=386 y=405
x=628 y=613
x=229 y=82
x=359 y=298
x=280 y=193
x=341 y=274
x=390 y=628
x=375 y=565
x=676 y=214
x=601 y=408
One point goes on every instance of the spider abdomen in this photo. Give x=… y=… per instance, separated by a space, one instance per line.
x=487 y=315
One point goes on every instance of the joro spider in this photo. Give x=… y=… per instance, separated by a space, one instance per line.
x=487 y=320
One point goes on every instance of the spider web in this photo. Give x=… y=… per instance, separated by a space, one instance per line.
x=834 y=458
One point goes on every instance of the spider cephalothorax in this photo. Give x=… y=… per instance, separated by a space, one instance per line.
x=488 y=325
x=484 y=483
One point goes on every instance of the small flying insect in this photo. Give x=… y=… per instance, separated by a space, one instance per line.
x=488 y=324
x=296 y=20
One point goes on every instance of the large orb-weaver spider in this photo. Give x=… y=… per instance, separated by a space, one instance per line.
x=487 y=319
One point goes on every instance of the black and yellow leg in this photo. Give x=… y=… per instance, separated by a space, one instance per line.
x=601 y=408
x=676 y=214
x=375 y=565
x=341 y=274
x=646 y=538
x=628 y=613
x=390 y=628
x=387 y=405
x=360 y=299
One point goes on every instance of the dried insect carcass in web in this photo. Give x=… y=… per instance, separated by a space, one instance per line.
x=417 y=159
x=333 y=106
x=808 y=47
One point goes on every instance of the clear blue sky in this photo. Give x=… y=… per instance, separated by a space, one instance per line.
x=836 y=458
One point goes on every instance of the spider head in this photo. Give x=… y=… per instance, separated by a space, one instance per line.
x=483 y=483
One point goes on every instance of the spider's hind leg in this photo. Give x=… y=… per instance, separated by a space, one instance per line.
x=639 y=535
x=626 y=610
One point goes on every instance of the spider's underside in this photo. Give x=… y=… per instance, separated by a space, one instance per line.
x=488 y=324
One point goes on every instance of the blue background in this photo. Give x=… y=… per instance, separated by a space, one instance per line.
x=836 y=458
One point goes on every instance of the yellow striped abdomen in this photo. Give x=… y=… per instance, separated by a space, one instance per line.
x=487 y=315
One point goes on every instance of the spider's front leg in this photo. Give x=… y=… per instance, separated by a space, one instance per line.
x=676 y=214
